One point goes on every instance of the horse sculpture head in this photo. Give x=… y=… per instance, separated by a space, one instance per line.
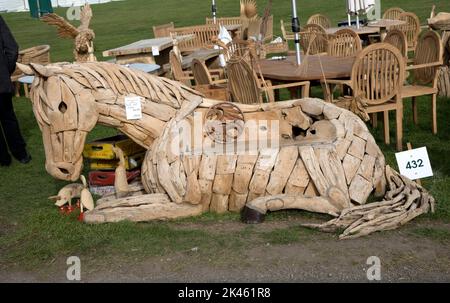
x=65 y=112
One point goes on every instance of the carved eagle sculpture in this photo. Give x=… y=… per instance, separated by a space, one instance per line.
x=248 y=9
x=83 y=35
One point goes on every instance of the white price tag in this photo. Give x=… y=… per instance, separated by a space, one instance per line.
x=414 y=163
x=155 y=51
x=133 y=108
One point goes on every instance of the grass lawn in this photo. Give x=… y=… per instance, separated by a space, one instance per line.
x=33 y=233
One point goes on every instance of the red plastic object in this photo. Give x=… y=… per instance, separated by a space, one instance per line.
x=105 y=178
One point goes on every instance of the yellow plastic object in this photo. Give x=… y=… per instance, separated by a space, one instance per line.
x=131 y=162
x=103 y=148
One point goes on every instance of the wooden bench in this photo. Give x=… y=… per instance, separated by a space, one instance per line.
x=203 y=36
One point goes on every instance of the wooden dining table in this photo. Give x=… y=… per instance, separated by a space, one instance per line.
x=151 y=51
x=312 y=68
x=384 y=25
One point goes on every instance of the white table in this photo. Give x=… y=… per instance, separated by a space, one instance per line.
x=151 y=51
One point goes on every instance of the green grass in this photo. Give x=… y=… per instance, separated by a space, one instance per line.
x=32 y=232
x=438 y=234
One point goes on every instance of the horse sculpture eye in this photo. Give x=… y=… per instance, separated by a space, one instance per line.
x=62 y=107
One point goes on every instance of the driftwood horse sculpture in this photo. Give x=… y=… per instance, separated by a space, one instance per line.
x=326 y=160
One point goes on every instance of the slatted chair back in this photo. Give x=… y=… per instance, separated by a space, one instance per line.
x=203 y=35
x=287 y=34
x=163 y=30
x=319 y=19
x=397 y=38
x=429 y=50
x=411 y=29
x=176 y=68
x=393 y=13
x=313 y=39
x=267 y=29
x=200 y=73
x=237 y=47
x=344 y=43
x=378 y=74
x=225 y=20
x=243 y=83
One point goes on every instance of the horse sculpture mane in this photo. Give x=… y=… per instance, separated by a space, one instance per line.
x=327 y=160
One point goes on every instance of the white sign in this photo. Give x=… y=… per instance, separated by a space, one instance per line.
x=133 y=108
x=155 y=51
x=414 y=163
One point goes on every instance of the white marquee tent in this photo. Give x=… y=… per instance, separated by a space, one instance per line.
x=22 y=5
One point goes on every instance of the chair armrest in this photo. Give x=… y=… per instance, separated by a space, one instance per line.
x=305 y=84
x=425 y=65
x=220 y=81
x=185 y=78
x=333 y=81
x=288 y=85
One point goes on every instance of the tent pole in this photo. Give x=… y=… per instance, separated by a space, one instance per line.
x=296 y=30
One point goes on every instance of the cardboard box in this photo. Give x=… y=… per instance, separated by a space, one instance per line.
x=103 y=148
x=131 y=162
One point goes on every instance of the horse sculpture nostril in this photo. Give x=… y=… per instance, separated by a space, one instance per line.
x=63 y=170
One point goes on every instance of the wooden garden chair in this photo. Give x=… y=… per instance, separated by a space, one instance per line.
x=397 y=38
x=245 y=86
x=393 y=13
x=376 y=82
x=204 y=76
x=225 y=20
x=237 y=47
x=163 y=30
x=319 y=19
x=203 y=35
x=208 y=82
x=344 y=43
x=411 y=29
x=287 y=34
x=427 y=59
x=178 y=73
x=313 y=39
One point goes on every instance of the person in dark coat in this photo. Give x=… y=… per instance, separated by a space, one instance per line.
x=10 y=135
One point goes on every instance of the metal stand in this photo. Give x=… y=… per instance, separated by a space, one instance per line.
x=214 y=10
x=296 y=31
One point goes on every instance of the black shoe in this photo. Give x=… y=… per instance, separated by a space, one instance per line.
x=5 y=162
x=25 y=159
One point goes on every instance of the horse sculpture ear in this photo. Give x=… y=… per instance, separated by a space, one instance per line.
x=42 y=70
x=26 y=69
x=36 y=70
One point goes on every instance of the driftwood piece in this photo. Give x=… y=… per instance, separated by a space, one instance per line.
x=404 y=201
x=150 y=207
x=278 y=202
x=287 y=157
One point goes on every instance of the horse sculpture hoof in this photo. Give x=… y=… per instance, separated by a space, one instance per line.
x=251 y=216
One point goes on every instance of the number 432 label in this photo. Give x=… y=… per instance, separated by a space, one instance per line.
x=414 y=163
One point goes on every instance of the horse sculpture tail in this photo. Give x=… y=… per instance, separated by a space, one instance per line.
x=404 y=200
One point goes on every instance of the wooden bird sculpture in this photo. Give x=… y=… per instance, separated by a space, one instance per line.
x=83 y=36
x=248 y=9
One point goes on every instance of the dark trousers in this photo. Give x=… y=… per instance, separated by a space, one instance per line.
x=9 y=131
